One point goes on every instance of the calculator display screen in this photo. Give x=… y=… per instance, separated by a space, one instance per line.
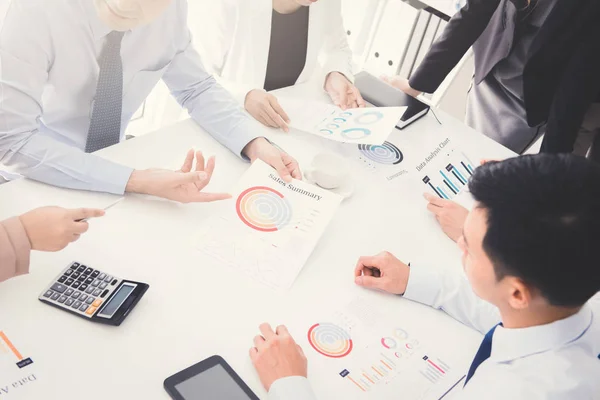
x=120 y=296
x=214 y=383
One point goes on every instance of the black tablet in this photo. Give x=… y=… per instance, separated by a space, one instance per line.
x=210 y=379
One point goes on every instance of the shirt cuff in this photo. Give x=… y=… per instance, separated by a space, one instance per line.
x=111 y=177
x=244 y=134
x=291 y=388
x=424 y=285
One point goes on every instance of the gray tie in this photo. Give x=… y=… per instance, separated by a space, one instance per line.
x=105 y=126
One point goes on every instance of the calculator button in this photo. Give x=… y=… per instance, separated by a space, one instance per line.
x=83 y=297
x=96 y=282
x=89 y=280
x=69 y=282
x=81 y=278
x=75 y=275
x=89 y=271
x=69 y=292
x=97 y=303
x=91 y=310
x=55 y=296
x=108 y=279
x=95 y=274
x=68 y=272
x=48 y=293
x=77 y=304
x=76 y=284
x=83 y=307
x=62 y=279
x=97 y=292
x=83 y=287
x=76 y=295
x=57 y=287
x=113 y=283
x=102 y=276
x=62 y=299
x=90 y=290
x=90 y=300
x=74 y=265
x=81 y=268
x=102 y=285
x=69 y=302
x=104 y=293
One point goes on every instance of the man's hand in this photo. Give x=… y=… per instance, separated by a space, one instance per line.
x=342 y=92
x=53 y=228
x=265 y=108
x=449 y=214
x=286 y=166
x=276 y=355
x=184 y=186
x=383 y=271
x=400 y=83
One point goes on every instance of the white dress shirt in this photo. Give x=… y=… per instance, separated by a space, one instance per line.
x=48 y=76
x=556 y=361
x=238 y=51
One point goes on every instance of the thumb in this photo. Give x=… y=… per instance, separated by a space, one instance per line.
x=370 y=282
x=190 y=177
x=85 y=213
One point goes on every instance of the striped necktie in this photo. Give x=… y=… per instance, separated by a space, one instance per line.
x=105 y=125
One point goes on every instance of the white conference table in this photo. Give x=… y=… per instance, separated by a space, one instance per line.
x=195 y=308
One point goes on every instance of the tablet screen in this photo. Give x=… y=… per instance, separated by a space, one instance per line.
x=214 y=383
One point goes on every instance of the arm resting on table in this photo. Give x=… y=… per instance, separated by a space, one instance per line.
x=14 y=249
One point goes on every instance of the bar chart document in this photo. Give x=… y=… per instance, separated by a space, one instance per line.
x=356 y=125
x=366 y=354
x=18 y=378
x=270 y=227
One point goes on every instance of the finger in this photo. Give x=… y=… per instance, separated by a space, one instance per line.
x=282 y=330
x=281 y=168
x=209 y=169
x=199 y=161
x=277 y=119
x=370 y=282
x=343 y=100
x=75 y=237
x=436 y=201
x=80 y=227
x=434 y=209
x=84 y=213
x=367 y=262
x=259 y=342
x=292 y=166
x=189 y=161
x=269 y=121
x=277 y=107
x=266 y=331
x=359 y=99
x=190 y=177
x=253 y=354
x=260 y=118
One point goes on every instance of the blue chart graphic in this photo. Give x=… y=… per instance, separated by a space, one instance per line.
x=355 y=133
x=369 y=118
x=452 y=179
x=387 y=153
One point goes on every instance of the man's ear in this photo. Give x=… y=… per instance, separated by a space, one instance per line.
x=520 y=295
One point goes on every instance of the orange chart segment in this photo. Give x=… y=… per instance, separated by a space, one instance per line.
x=263 y=209
x=10 y=346
x=330 y=340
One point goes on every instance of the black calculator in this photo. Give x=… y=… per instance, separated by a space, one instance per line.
x=93 y=294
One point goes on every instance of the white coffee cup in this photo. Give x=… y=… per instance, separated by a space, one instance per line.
x=328 y=170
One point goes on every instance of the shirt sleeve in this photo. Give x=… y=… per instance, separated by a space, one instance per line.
x=291 y=388
x=14 y=249
x=451 y=292
x=209 y=104
x=339 y=54
x=25 y=65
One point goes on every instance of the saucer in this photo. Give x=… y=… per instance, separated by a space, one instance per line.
x=346 y=189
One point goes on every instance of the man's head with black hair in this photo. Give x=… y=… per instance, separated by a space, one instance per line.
x=533 y=240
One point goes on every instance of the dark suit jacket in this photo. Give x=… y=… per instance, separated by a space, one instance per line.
x=561 y=77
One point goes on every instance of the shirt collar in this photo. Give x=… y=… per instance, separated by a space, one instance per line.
x=99 y=28
x=511 y=344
